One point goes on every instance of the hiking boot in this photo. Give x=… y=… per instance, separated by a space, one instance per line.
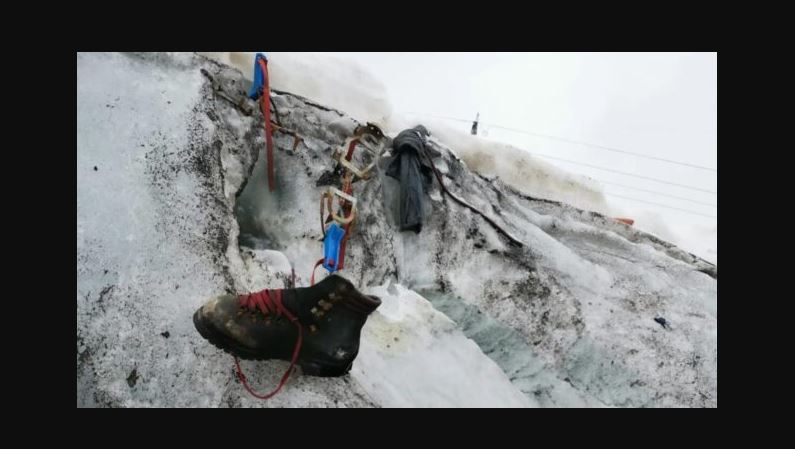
x=266 y=325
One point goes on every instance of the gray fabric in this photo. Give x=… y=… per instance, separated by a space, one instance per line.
x=410 y=167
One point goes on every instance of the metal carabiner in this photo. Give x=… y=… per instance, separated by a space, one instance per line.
x=328 y=196
x=340 y=156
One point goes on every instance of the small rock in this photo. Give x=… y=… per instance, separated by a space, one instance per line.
x=132 y=378
x=95 y=168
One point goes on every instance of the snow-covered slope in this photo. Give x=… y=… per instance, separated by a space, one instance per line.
x=348 y=87
x=567 y=320
x=326 y=79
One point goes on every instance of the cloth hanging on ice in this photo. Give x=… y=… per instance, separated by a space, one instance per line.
x=411 y=168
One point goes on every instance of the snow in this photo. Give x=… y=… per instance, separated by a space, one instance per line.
x=514 y=166
x=414 y=356
x=123 y=312
x=697 y=238
x=141 y=269
x=348 y=87
x=565 y=321
x=329 y=80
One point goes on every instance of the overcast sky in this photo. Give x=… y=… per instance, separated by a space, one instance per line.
x=656 y=104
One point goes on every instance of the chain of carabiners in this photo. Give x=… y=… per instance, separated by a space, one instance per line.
x=346 y=202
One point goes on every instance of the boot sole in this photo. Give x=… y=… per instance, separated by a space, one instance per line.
x=226 y=344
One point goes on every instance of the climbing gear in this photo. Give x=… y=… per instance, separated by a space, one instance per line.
x=331 y=247
x=626 y=221
x=349 y=211
x=364 y=172
x=260 y=77
x=312 y=277
x=296 y=138
x=243 y=104
x=317 y=328
x=264 y=325
x=371 y=138
x=240 y=103
x=261 y=89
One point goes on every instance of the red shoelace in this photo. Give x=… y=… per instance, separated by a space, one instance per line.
x=269 y=302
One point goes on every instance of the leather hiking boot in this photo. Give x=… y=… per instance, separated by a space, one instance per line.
x=317 y=328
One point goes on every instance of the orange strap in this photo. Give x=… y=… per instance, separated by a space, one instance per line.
x=312 y=278
x=266 y=111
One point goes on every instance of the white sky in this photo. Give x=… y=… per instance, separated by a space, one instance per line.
x=657 y=104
